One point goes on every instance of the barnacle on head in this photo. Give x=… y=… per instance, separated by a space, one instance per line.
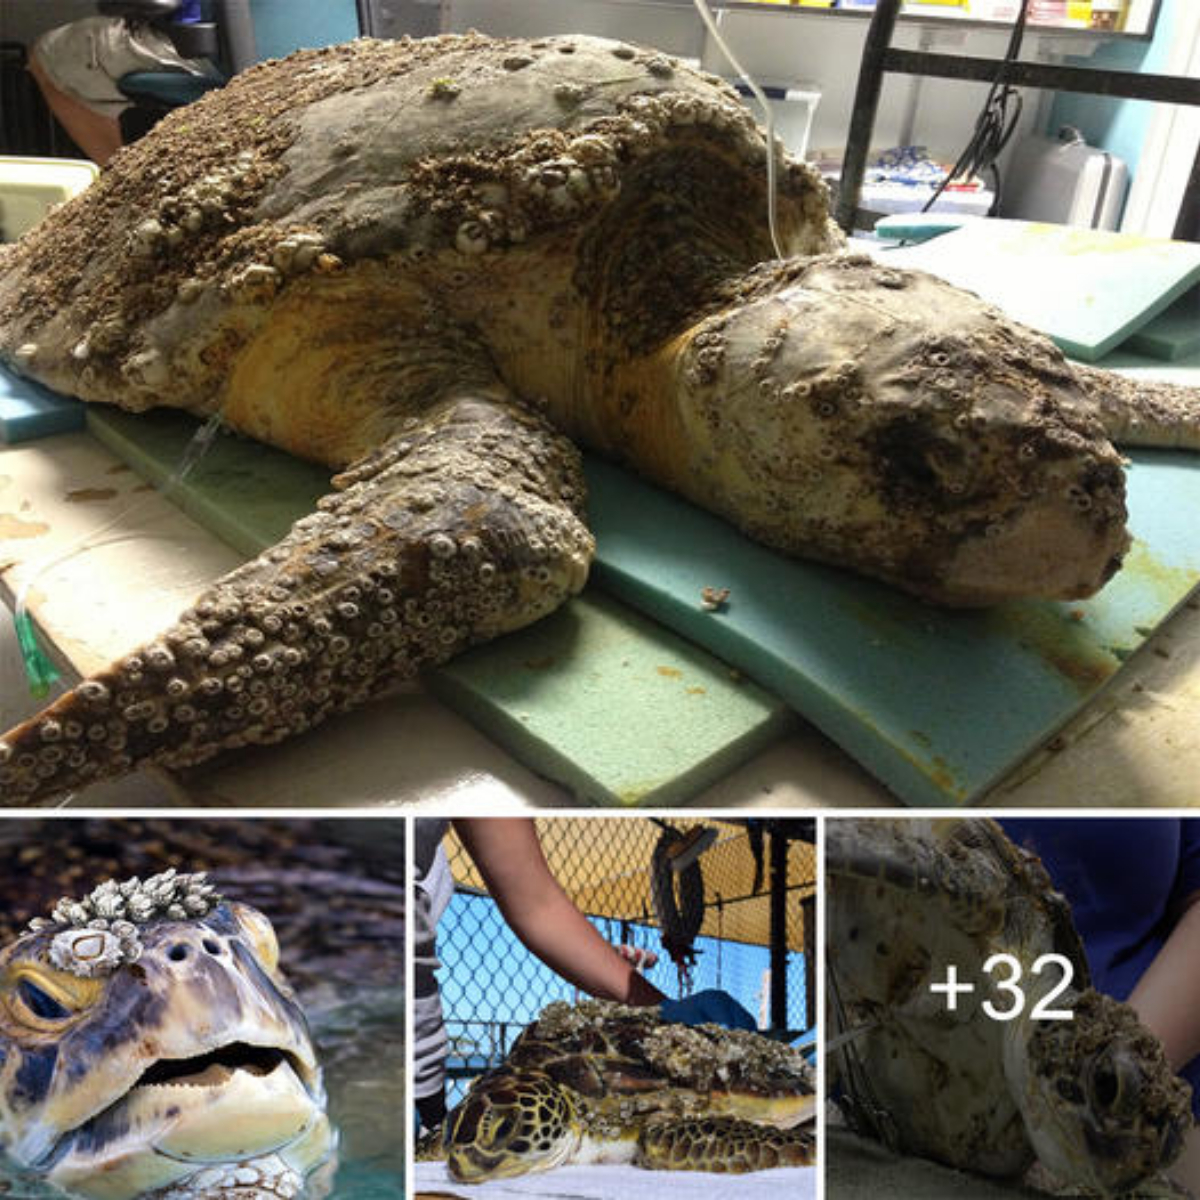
x=101 y=929
x=136 y=901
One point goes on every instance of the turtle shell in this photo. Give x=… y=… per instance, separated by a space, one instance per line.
x=285 y=197
x=603 y=1050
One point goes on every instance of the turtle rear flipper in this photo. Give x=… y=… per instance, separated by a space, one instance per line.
x=1142 y=412
x=466 y=525
x=724 y=1144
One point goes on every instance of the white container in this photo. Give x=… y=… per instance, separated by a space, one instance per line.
x=792 y=112
x=30 y=187
x=1066 y=182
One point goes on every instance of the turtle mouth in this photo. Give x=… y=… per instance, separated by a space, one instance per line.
x=217 y=1067
x=181 y=1114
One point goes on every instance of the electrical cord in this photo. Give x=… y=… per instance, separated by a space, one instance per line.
x=994 y=127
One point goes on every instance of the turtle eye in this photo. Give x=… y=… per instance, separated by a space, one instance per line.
x=40 y=1003
x=260 y=932
x=1106 y=1087
x=503 y=1129
x=1114 y=1084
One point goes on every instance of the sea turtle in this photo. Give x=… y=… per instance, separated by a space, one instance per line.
x=1090 y=1096
x=428 y=264
x=603 y=1082
x=150 y=1047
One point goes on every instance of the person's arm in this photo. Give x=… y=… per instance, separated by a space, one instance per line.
x=510 y=859
x=1167 y=997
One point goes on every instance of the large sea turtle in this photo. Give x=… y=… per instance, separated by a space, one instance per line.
x=150 y=1047
x=427 y=265
x=1090 y=1096
x=602 y=1082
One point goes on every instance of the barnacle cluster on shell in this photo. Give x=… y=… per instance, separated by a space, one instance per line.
x=706 y=1057
x=268 y=1176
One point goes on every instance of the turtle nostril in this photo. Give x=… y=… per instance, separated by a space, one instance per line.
x=178 y=952
x=212 y=946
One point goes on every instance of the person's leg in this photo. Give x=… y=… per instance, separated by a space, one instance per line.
x=98 y=136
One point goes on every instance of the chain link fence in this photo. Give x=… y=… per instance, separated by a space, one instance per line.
x=492 y=986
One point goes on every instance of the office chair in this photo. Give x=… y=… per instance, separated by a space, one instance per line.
x=224 y=35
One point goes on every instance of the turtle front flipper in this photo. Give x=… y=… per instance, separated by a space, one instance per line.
x=725 y=1144
x=1142 y=412
x=910 y=856
x=464 y=525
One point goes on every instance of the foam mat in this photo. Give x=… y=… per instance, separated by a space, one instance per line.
x=1088 y=289
x=28 y=410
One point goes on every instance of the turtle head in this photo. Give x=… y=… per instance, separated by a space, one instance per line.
x=511 y=1123
x=158 y=1055
x=1101 y=1104
x=880 y=419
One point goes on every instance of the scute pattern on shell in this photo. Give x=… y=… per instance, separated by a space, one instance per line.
x=561 y=242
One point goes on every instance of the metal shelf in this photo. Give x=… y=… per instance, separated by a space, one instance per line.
x=947 y=20
x=881 y=58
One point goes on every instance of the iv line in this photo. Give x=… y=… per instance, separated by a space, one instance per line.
x=759 y=95
x=40 y=671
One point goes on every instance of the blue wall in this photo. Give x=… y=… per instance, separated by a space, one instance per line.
x=281 y=26
x=1120 y=126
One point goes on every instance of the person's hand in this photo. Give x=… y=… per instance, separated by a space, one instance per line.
x=711 y=1007
x=638 y=957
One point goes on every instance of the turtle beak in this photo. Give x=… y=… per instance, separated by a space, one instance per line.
x=230 y=1105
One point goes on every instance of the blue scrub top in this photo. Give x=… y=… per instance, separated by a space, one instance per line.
x=1127 y=882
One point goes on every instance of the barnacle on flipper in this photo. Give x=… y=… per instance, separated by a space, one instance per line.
x=563 y=239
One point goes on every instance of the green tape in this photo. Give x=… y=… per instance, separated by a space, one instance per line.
x=39 y=670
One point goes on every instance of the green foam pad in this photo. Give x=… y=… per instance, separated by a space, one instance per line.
x=28 y=410
x=614 y=707
x=938 y=704
x=919 y=226
x=244 y=493
x=1088 y=289
x=1173 y=334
